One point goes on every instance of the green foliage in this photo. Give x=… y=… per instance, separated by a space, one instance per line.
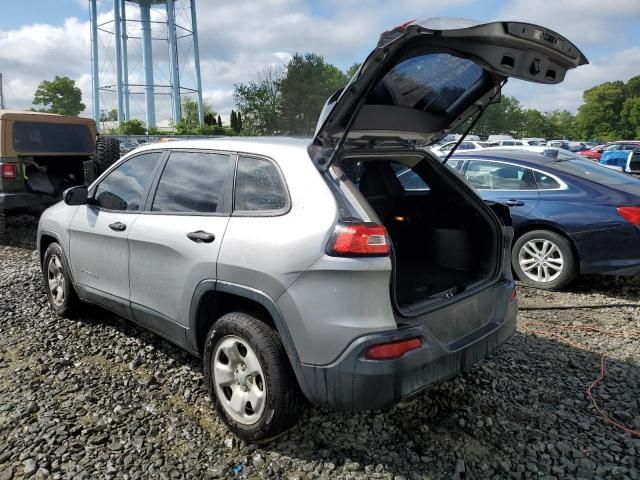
x=110 y=116
x=351 y=71
x=154 y=131
x=600 y=114
x=233 y=120
x=308 y=83
x=259 y=104
x=131 y=127
x=183 y=128
x=631 y=116
x=59 y=95
x=190 y=112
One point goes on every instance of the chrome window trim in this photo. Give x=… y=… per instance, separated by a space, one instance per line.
x=563 y=185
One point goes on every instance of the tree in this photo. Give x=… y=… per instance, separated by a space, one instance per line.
x=131 y=127
x=190 y=111
x=351 y=71
x=219 y=121
x=59 y=95
x=233 y=121
x=110 y=116
x=631 y=116
x=308 y=82
x=259 y=103
x=600 y=114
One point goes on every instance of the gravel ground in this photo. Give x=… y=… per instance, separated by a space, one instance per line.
x=98 y=397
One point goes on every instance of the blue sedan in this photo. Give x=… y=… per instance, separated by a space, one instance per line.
x=570 y=215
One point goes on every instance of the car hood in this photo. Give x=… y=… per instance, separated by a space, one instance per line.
x=424 y=79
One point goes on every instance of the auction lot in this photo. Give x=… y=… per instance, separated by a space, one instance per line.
x=98 y=397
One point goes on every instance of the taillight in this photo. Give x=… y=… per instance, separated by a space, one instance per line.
x=8 y=171
x=391 y=350
x=631 y=214
x=361 y=239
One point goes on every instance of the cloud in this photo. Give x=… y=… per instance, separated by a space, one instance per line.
x=568 y=95
x=584 y=22
x=238 y=38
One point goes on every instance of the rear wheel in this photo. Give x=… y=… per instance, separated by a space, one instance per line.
x=544 y=259
x=249 y=378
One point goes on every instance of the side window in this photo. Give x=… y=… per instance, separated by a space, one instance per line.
x=465 y=146
x=454 y=164
x=544 y=181
x=499 y=176
x=259 y=186
x=508 y=143
x=447 y=147
x=192 y=182
x=409 y=179
x=611 y=148
x=125 y=188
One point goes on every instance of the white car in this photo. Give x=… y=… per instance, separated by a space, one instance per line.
x=466 y=146
x=560 y=153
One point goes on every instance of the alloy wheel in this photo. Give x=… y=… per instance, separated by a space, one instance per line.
x=541 y=260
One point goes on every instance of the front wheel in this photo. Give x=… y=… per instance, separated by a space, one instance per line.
x=543 y=259
x=249 y=378
x=57 y=282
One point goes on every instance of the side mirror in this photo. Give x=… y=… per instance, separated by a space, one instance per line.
x=76 y=195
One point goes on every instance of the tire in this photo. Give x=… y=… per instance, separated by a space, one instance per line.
x=108 y=152
x=269 y=397
x=60 y=291
x=4 y=237
x=555 y=269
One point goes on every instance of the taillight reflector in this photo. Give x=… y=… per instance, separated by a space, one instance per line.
x=391 y=350
x=9 y=171
x=631 y=214
x=359 y=240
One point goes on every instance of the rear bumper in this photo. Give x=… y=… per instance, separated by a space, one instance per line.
x=355 y=383
x=9 y=201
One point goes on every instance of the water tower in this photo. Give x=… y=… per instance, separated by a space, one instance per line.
x=144 y=59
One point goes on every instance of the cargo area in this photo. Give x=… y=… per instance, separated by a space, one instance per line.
x=444 y=242
x=51 y=175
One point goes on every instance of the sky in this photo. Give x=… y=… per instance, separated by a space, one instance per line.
x=40 y=39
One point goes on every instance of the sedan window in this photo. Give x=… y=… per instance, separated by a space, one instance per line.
x=545 y=181
x=499 y=176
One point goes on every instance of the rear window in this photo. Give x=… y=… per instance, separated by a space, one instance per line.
x=435 y=82
x=259 y=186
x=39 y=137
x=589 y=170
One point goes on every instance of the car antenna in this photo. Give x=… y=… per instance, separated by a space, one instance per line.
x=481 y=110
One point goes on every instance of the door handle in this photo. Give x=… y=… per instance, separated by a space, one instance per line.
x=514 y=203
x=118 y=227
x=201 y=237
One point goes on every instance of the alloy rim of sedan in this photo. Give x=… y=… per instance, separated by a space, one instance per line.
x=541 y=260
x=239 y=380
x=55 y=280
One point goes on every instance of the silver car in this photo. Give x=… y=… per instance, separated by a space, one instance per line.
x=313 y=269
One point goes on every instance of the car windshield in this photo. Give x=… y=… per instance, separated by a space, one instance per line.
x=589 y=170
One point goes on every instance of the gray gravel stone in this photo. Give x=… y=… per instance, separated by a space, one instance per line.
x=72 y=403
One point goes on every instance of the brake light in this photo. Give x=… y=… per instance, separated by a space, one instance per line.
x=8 y=171
x=391 y=350
x=364 y=239
x=631 y=214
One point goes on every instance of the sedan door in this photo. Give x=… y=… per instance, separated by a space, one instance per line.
x=175 y=245
x=99 y=253
x=506 y=183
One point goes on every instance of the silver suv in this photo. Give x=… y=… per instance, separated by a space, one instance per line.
x=315 y=269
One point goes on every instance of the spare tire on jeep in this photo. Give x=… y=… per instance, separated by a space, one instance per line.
x=108 y=152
